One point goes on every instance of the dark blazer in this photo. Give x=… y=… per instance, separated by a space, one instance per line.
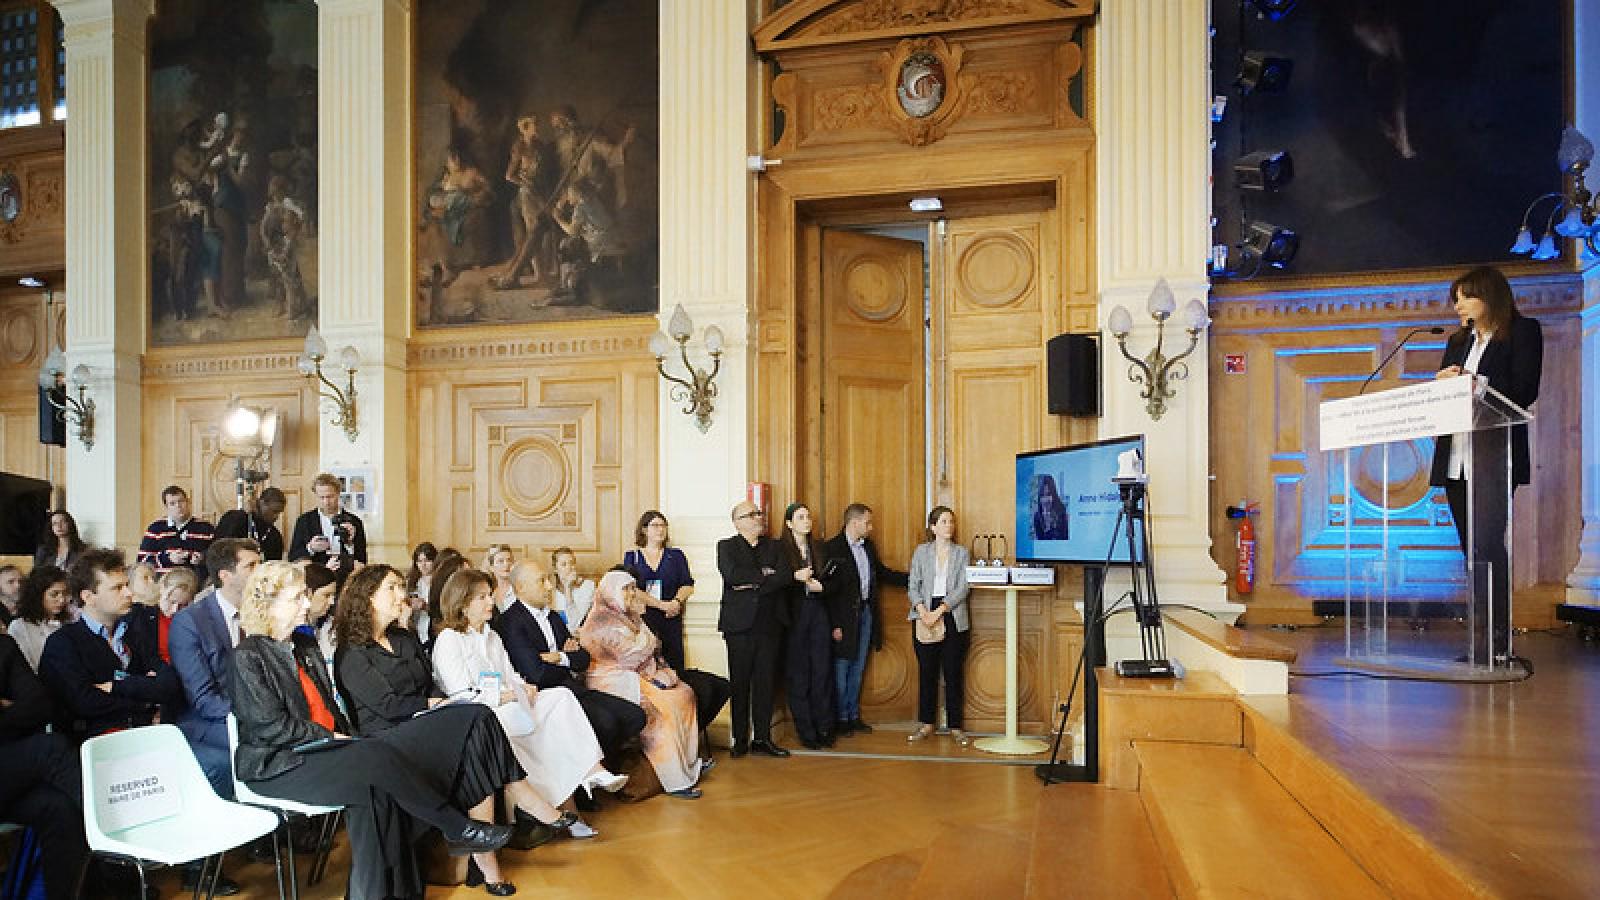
x=30 y=708
x=755 y=582
x=273 y=714
x=843 y=584
x=46 y=556
x=76 y=659
x=235 y=523
x=525 y=641
x=202 y=652
x=308 y=655
x=1513 y=366
x=309 y=526
x=380 y=688
x=818 y=562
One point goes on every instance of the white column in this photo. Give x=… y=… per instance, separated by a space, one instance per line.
x=363 y=288
x=106 y=257
x=1153 y=158
x=706 y=203
x=1583 y=585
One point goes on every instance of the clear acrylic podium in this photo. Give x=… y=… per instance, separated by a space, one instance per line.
x=1377 y=590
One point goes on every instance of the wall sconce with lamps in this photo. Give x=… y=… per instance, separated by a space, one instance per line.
x=344 y=401
x=1576 y=212
x=1157 y=372
x=699 y=390
x=53 y=373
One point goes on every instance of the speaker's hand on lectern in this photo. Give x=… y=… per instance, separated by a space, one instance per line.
x=1448 y=372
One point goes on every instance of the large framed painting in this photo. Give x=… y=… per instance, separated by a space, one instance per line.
x=537 y=160
x=233 y=170
x=1418 y=132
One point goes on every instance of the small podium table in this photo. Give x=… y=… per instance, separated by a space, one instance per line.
x=1010 y=743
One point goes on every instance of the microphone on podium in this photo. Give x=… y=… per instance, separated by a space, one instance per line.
x=1409 y=335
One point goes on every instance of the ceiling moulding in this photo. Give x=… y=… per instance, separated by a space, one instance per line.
x=821 y=23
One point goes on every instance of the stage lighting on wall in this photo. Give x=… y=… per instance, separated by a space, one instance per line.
x=1274 y=245
x=1157 y=372
x=1575 y=213
x=1264 y=73
x=698 y=390
x=1264 y=170
x=1273 y=10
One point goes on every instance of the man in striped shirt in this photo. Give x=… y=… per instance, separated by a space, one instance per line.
x=179 y=540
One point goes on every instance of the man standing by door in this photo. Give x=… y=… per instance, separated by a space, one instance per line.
x=754 y=583
x=854 y=578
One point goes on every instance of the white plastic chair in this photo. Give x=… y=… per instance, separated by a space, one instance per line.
x=203 y=826
x=284 y=809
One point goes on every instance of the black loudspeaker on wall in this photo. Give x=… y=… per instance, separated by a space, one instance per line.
x=1073 y=361
x=52 y=423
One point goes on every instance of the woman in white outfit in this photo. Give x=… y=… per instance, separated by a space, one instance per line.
x=548 y=730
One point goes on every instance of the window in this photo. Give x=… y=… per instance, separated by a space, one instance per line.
x=33 y=64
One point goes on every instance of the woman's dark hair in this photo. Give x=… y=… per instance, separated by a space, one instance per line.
x=352 y=615
x=650 y=515
x=457 y=592
x=791 y=542
x=30 y=604
x=427 y=551
x=933 y=519
x=47 y=540
x=1486 y=283
x=448 y=563
x=319 y=577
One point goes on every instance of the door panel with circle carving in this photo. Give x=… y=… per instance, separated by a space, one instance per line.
x=872 y=425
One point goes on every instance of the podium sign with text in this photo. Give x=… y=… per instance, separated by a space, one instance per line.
x=1423 y=410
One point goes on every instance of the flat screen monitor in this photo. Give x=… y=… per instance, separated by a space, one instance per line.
x=1067 y=504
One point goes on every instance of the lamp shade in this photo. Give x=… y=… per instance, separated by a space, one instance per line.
x=1574 y=152
x=1195 y=316
x=659 y=344
x=1547 y=248
x=55 y=365
x=80 y=375
x=1162 y=302
x=316 y=347
x=1524 y=243
x=349 y=358
x=679 y=326
x=1120 y=321
x=307 y=366
x=1571 y=224
x=713 y=339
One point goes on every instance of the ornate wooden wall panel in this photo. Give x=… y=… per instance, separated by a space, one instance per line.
x=186 y=394
x=35 y=243
x=534 y=441
x=1301 y=348
x=22 y=352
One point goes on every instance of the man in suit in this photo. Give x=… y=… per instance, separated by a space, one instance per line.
x=201 y=640
x=545 y=654
x=42 y=787
x=103 y=676
x=177 y=540
x=259 y=524
x=854 y=578
x=754 y=586
x=329 y=535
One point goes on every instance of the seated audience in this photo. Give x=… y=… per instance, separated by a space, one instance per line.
x=313 y=638
x=41 y=611
x=283 y=703
x=179 y=539
x=386 y=680
x=60 y=544
x=329 y=535
x=102 y=675
x=259 y=524
x=418 y=580
x=497 y=561
x=145 y=585
x=450 y=560
x=627 y=664
x=548 y=730
x=202 y=639
x=574 y=594
x=545 y=654
x=10 y=593
x=42 y=788
x=174 y=591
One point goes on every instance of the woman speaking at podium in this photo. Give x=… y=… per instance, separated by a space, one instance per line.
x=1504 y=349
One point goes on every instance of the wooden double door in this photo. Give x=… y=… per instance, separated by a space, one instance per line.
x=921 y=377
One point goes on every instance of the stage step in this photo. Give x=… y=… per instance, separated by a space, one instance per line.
x=1093 y=843
x=1402 y=829
x=1198 y=709
x=1228 y=829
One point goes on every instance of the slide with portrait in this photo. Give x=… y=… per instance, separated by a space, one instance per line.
x=1067 y=504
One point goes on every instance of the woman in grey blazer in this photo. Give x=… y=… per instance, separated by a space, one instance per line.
x=938 y=589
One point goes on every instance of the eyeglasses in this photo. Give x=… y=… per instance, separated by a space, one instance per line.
x=752 y=514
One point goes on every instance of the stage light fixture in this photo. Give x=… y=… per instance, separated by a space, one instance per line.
x=1261 y=72
x=1274 y=245
x=1273 y=10
x=1264 y=170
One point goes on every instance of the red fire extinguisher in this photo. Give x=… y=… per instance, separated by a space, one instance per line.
x=1244 y=576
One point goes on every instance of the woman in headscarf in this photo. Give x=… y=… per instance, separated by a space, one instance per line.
x=626 y=662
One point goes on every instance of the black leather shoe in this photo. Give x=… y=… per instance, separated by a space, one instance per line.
x=827 y=739
x=860 y=727
x=492 y=888
x=768 y=748
x=811 y=744
x=739 y=750
x=480 y=837
x=844 y=728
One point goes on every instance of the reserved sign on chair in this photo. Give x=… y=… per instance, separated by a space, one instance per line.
x=135 y=790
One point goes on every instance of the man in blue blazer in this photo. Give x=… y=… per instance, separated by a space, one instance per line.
x=201 y=641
